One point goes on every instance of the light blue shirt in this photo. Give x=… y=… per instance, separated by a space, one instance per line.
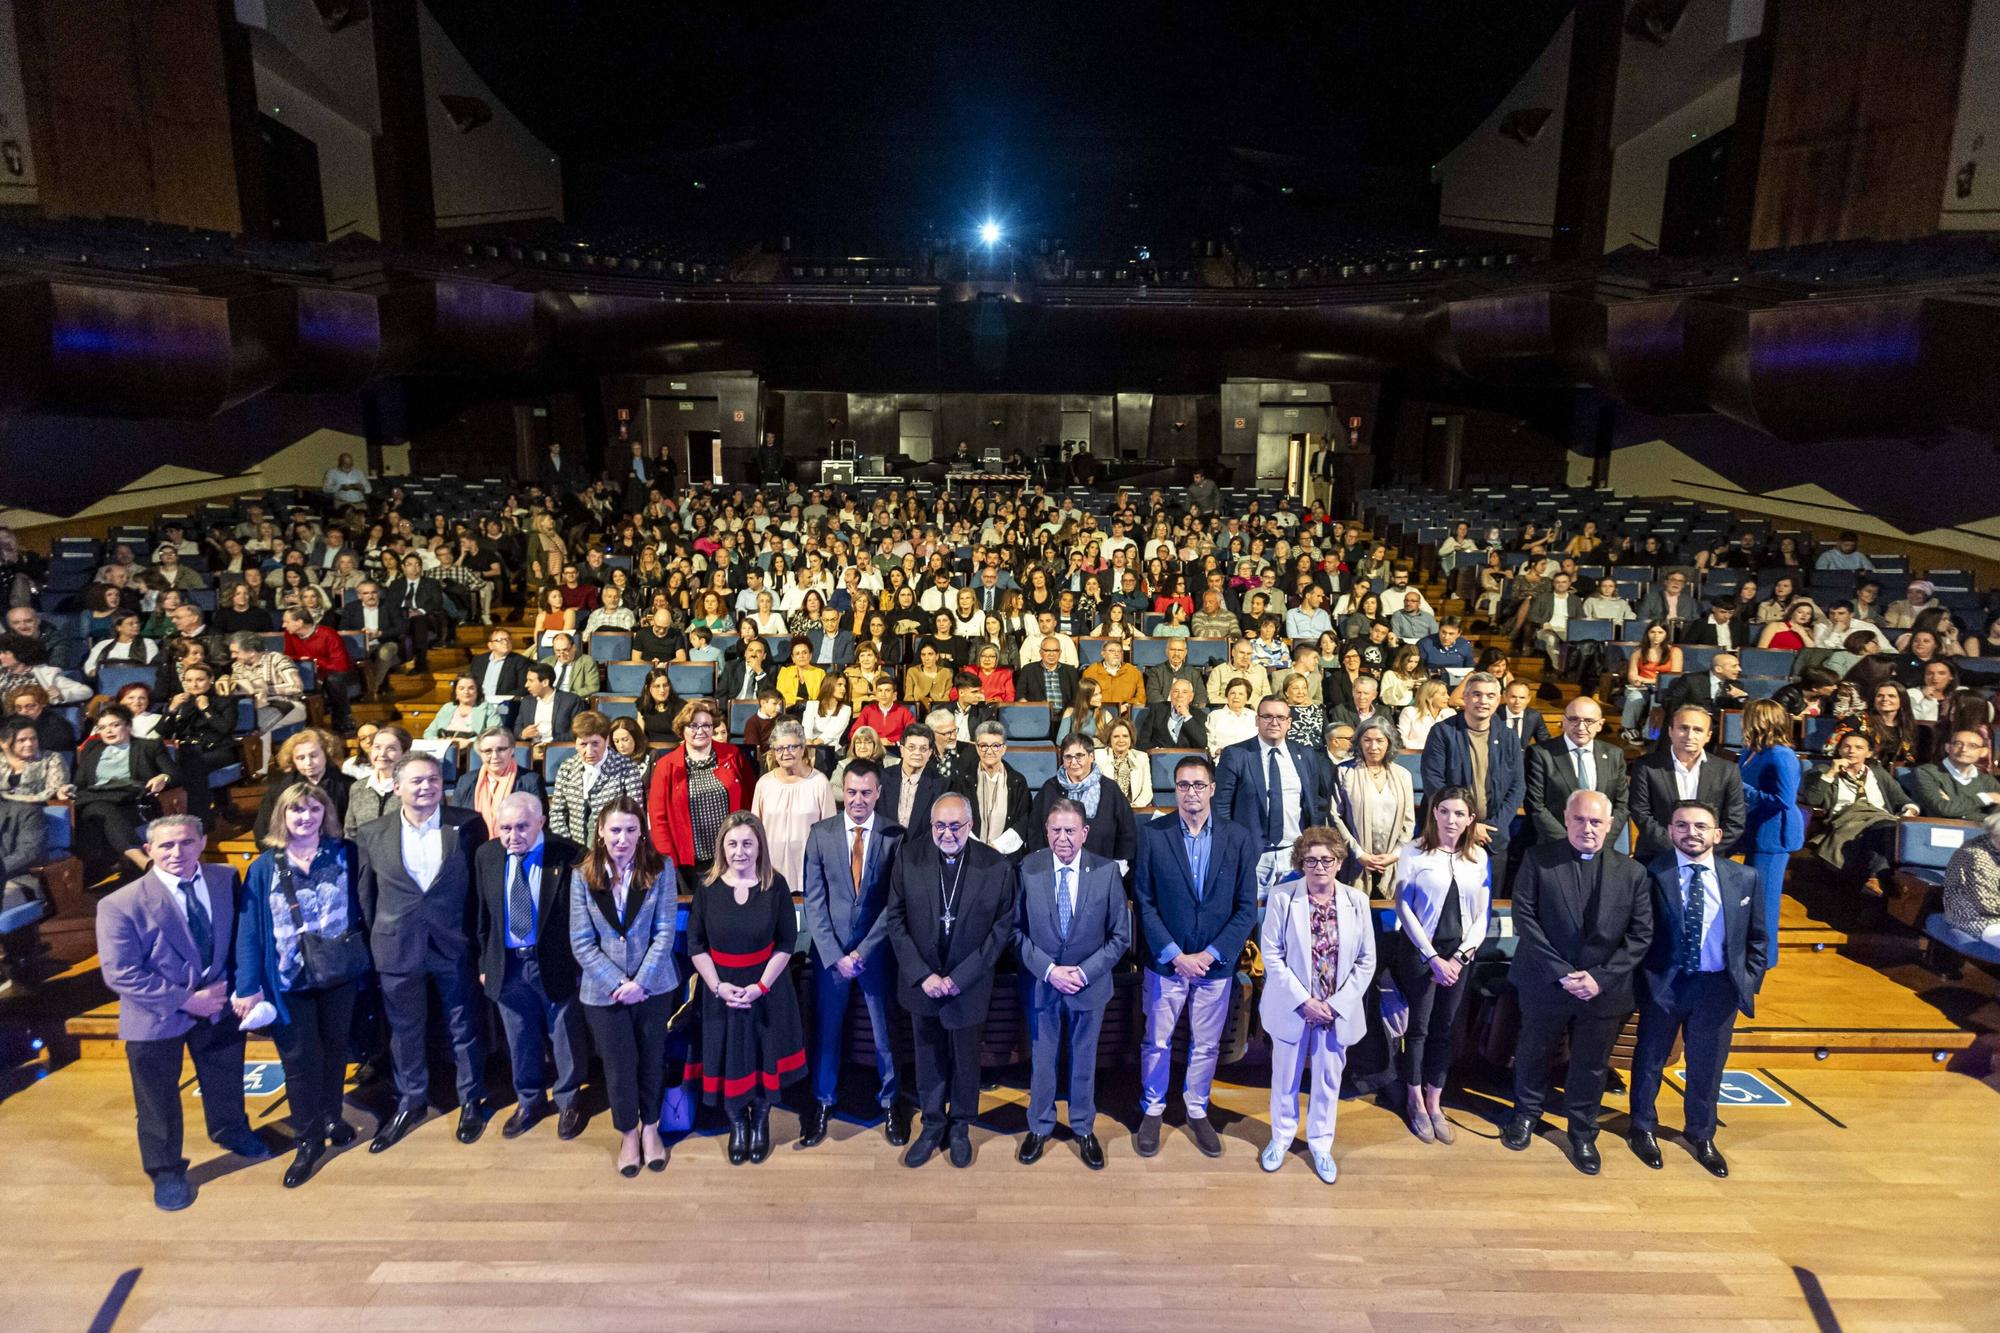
x=529 y=868
x=1197 y=846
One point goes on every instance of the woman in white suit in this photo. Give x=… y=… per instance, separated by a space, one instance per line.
x=1374 y=807
x=1319 y=958
x=1442 y=901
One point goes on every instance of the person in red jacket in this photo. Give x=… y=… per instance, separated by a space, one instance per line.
x=695 y=786
x=307 y=642
x=888 y=717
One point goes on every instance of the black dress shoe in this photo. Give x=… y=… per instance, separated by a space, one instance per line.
x=245 y=1143
x=1644 y=1147
x=1704 y=1151
x=1205 y=1137
x=896 y=1125
x=394 y=1128
x=812 y=1124
x=922 y=1147
x=521 y=1121
x=1584 y=1153
x=1147 y=1141
x=171 y=1192
x=339 y=1133
x=760 y=1134
x=1030 y=1151
x=1091 y=1151
x=1518 y=1135
x=961 y=1146
x=301 y=1169
x=569 y=1124
x=739 y=1138
x=471 y=1123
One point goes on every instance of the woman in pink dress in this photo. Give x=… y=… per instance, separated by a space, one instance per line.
x=790 y=799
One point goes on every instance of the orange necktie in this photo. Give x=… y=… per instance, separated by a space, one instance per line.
x=856 y=862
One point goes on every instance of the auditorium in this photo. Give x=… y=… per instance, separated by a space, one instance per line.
x=885 y=667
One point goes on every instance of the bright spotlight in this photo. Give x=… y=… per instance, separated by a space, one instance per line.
x=989 y=232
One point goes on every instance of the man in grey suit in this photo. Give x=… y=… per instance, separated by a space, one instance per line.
x=1071 y=927
x=417 y=902
x=165 y=942
x=1575 y=761
x=848 y=858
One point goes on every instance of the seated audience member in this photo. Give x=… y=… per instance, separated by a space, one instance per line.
x=575 y=673
x=1844 y=555
x=382 y=626
x=52 y=728
x=126 y=646
x=1519 y=718
x=373 y=795
x=1859 y=802
x=546 y=712
x=308 y=641
x=29 y=774
x=1810 y=694
x=1972 y=885
x=1711 y=691
x=119 y=779
x=270 y=681
x=1447 y=649
x=498 y=776
x=24 y=661
x=1411 y=623
x=1554 y=607
x=1957 y=786
x=468 y=716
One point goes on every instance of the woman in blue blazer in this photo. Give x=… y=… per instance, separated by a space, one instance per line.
x=1774 y=826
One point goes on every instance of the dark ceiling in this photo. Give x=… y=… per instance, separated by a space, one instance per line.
x=871 y=124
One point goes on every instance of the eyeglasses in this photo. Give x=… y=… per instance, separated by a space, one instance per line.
x=950 y=826
x=700 y=726
x=1319 y=863
x=1192 y=786
x=990 y=746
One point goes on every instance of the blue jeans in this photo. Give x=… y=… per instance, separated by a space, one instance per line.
x=1638 y=702
x=830 y=996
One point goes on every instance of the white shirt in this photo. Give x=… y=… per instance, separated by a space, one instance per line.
x=1288 y=785
x=545 y=716
x=1588 y=761
x=1711 y=909
x=1687 y=781
x=173 y=888
x=1559 y=614
x=1725 y=632
x=423 y=847
x=1072 y=871
x=520 y=865
x=345 y=483
x=371 y=619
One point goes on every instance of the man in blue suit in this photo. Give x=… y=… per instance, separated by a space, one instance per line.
x=832 y=646
x=1197 y=893
x=1244 y=793
x=1451 y=760
x=848 y=857
x=1711 y=946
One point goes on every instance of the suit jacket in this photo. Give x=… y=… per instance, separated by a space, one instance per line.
x=392 y=623
x=1654 y=795
x=1113 y=834
x=1029 y=687
x=1772 y=820
x=464 y=791
x=843 y=647
x=1701 y=689
x=982 y=927
x=1160 y=678
x=1286 y=939
x=1551 y=780
x=637 y=945
x=1653 y=606
x=513 y=673
x=585 y=677
x=1941 y=796
x=404 y=920
x=567 y=706
x=149 y=759
x=1573 y=915
x=1543 y=608
x=574 y=807
x=1747 y=938
x=950 y=764
x=1534 y=729
x=429 y=592
x=930 y=786
x=1100 y=930
x=552 y=916
x=843 y=917
x=24 y=839
x=1019 y=800
x=1240 y=786
x=1447 y=762
x=730 y=680
x=1173 y=917
x=1703 y=631
x=1153 y=733
x=147 y=955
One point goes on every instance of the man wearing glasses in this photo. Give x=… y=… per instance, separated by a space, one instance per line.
x=1272 y=789
x=1197 y=894
x=950 y=917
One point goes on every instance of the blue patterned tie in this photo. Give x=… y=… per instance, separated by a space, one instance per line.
x=1274 y=812
x=1063 y=909
x=1691 y=922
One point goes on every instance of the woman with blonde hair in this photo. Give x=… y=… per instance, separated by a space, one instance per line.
x=1429 y=706
x=862 y=743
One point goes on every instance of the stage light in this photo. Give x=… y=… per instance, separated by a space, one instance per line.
x=989 y=232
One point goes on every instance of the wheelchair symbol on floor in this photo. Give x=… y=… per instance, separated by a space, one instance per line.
x=1741 y=1088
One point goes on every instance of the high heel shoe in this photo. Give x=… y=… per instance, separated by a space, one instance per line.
x=628 y=1169
x=739 y=1138
x=760 y=1133
x=653 y=1163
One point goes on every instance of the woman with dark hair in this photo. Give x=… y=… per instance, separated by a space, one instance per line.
x=1443 y=892
x=695 y=786
x=1887 y=721
x=657 y=706
x=1773 y=828
x=1656 y=653
x=119 y=778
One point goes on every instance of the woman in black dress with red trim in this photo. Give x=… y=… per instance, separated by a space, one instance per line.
x=741 y=931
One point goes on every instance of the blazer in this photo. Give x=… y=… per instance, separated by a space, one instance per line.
x=730 y=681
x=1653 y=606
x=841 y=916
x=1019 y=801
x=1160 y=678
x=1772 y=820
x=1941 y=796
x=613 y=947
x=667 y=812
x=1113 y=834
x=930 y=786
x=465 y=790
x=1350 y=805
x=1100 y=930
x=1174 y=917
x=147 y=955
x=392 y=623
x=1030 y=687
x=843 y=648
x=1574 y=915
x=1543 y=608
x=1818 y=789
x=1654 y=795
x=553 y=954
x=1532 y=731
x=1702 y=690
x=561 y=716
x=430 y=597
x=1746 y=935
x=1703 y=632
x=1240 y=788
x=403 y=920
x=574 y=807
x=1551 y=781
x=513 y=677
x=256 y=935
x=1154 y=735
x=982 y=928
x=1447 y=762
x=149 y=758
x=1422 y=880
x=585 y=678
x=1286 y=939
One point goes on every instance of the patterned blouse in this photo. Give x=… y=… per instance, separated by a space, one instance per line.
x=1972 y=886
x=322 y=895
x=1326 y=946
x=708 y=805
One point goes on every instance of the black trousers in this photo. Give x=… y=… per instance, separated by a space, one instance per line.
x=313 y=1049
x=1427 y=1045
x=335 y=686
x=947 y=1071
x=1703 y=1006
x=405 y=997
x=1591 y=1036
x=423 y=632
x=631 y=1041
x=217 y=1049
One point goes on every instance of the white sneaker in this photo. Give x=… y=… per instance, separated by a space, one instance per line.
x=1273 y=1155
x=1324 y=1164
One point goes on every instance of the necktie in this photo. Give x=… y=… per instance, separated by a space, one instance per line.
x=520 y=902
x=854 y=862
x=1063 y=909
x=1691 y=923
x=1582 y=775
x=1274 y=810
x=200 y=925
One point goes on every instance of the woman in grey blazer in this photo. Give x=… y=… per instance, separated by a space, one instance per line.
x=621 y=928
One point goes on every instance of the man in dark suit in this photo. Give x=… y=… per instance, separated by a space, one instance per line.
x=909 y=788
x=524 y=878
x=1719 y=628
x=1174 y=725
x=749 y=675
x=547 y=712
x=1584 y=917
x=426 y=614
x=1196 y=890
x=949 y=918
x=832 y=646
x=1072 y=925
x=165 y=943
x=1245 y=795
x=1575 y=761
x=501 y=672
x=1712 y=691
x=1519 y=718
x=849 y=857
x=1496 y=779
x=998 y=793
x=1160 y=677
x=1671 y=602
x=1549 y=615
x=498 y=776
x=1052 y=682
x=1685 y=770
x=416 y=900
x=382 y=626
x=1711 y=946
